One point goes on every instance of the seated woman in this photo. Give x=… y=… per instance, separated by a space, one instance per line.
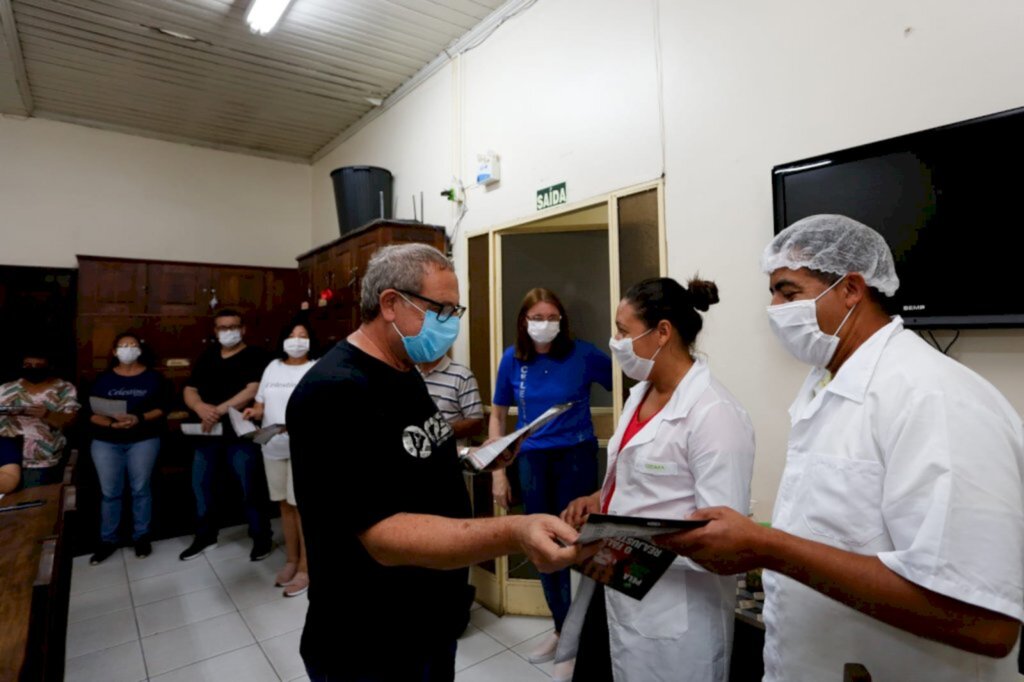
x=44 y=406
x=127 y=443
x=10 y=464
x=683 y=443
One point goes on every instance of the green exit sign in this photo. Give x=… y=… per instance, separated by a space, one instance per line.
x=551 y=196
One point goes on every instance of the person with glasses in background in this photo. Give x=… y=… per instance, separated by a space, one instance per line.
x=558 y=462
x=385 y=510
x=127 y=443
x=227 y=375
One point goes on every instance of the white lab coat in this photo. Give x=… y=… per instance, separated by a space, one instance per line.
x=912 y=457
x=698 y=451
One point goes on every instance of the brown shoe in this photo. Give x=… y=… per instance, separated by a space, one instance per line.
x=298 y=585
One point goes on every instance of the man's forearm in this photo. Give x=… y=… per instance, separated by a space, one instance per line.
x=240 y=399
x=192 y=398
x=864 y=583
x=440 y=542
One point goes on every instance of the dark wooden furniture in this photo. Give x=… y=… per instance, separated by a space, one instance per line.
x=36 y=582
x=168 y=304
x=330 y=275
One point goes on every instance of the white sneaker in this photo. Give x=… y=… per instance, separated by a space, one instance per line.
x=563 y=671
x=545 y=651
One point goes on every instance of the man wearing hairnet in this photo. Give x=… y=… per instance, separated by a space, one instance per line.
x=898 y=532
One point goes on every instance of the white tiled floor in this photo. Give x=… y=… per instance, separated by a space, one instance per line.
x=219 y=617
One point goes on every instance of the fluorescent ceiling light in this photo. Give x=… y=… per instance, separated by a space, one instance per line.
x=263 y=15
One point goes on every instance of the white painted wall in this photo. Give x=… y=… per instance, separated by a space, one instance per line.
x=67 y=189
x=568 y=92
x=749 y=85
x=413 y=141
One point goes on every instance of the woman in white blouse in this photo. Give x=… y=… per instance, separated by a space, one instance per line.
x=279 y=380
x=683 y=443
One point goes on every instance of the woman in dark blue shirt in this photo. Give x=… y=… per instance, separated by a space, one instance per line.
x=545 y=367
x=127 y=443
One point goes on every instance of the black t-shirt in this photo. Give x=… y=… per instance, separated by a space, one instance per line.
x=143 y=393
x=217 y=378
x=368 y=442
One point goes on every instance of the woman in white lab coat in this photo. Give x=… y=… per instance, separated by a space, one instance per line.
x=683 y=442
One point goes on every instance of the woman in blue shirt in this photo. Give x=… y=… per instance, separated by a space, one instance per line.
x=558 y=463
x=127 y=443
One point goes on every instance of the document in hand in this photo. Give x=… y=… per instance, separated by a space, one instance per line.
x=626 y=562
x=107 y=407
x=262 y=436
x=246 y=429
x=601 y=526
x=197 y=430
x=240 y=425
x=482 y=457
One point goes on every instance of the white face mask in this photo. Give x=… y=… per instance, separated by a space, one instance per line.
x=128 y=354
x=633 y=366
x=230 y=338
x=542 y=332
x=796 y=326
x=295 y=347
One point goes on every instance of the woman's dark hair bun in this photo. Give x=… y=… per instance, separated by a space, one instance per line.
x=703 y=294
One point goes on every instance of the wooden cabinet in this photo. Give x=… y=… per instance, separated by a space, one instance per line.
x=169 y=305
x=177 y=289
x=243 y=289
x=329 y=276
x=111 y=287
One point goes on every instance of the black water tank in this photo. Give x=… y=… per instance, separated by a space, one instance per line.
x=357 y=194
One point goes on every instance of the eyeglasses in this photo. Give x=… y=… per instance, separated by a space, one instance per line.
x=444 y=311
x=541 y=318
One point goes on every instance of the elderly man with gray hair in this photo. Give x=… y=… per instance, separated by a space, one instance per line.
x=384 y=508
x=897 y=540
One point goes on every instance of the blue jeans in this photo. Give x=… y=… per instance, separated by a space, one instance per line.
x=112 y=460
x=550 y=480
x=435 y=666
x=246 y=462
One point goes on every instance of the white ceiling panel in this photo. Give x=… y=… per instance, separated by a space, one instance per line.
x=190 y=70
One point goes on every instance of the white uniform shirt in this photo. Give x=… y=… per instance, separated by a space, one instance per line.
x=276 y=386
x=909 y=456
x=698 y=451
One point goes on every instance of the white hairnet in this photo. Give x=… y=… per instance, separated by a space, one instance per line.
x=834 y=244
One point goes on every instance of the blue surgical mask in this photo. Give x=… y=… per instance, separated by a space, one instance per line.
x=434 y=339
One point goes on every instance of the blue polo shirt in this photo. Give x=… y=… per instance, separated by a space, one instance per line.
x=535 y=386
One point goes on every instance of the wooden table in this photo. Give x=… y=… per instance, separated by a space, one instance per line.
x=21 y=535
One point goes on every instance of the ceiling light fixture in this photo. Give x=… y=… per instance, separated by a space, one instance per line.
x=263 y=15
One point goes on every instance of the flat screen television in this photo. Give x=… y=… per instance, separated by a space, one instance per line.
x=950 y=203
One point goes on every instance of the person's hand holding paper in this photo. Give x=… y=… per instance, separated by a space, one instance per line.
x=498 y=453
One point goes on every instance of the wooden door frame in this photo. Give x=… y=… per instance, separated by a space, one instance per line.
x=496 y=590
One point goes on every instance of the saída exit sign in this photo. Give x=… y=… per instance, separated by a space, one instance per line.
x=551 y=196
